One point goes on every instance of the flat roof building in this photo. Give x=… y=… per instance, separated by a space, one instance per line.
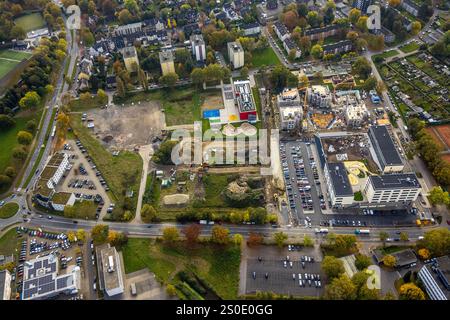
x=5 y=285
x=41 y=279
x=166 y=60
x=236 y=54
x=130 y=58
x=245 y=101
x=392 y=188
x=386 y=153
x=339 y=187
x=436 y=278
x=110 y=271
x=198 y=47
x=290 y=107
x=319 y=96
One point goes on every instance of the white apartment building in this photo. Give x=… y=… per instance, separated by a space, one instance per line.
x=111 y=271
x=290 y=108
x=198 y=47
x=128 y=29
x=392 y=188
x=236 y=54
x=55 y=168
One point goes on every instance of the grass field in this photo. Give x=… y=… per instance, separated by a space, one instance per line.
x=387 y=54
x=410 y=47
x=182 y=105
x=30 y=22
x=8 y=210
x=117 y=171
x=265 y=57
x=214 y=185
x=9 y=59
x=8 y=242
x=217 y=266
x=80 y=105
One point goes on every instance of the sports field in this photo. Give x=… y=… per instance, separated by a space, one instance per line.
x=9 y=59
x=30 y=22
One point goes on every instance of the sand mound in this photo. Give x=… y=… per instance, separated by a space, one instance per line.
x=175 y=199
x=248 y=129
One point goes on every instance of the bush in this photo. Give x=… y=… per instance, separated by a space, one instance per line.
x=362 y=261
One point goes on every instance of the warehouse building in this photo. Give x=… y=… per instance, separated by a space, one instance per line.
x=386 y=153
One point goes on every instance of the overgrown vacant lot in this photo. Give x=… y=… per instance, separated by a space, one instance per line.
x=30 y=22
x=216 y=266
x=8 y=242
x=120 y=172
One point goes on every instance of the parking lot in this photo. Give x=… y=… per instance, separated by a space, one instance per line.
x=85 y=180
x=37 y=243
x=282 y=271
x=302 y=181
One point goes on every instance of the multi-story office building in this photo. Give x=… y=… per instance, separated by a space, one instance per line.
x=392 y=188
x=386 y=153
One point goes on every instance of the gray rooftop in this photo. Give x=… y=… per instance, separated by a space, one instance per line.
x=339 y=178
x=395 y=181
x=166 y=56
x=2 y=284
x=440 y=271
x=384 y=146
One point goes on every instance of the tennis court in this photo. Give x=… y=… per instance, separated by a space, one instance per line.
x=9 y=59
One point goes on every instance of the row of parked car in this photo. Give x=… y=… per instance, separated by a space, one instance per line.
x=93 y=166
x=309 y=279
x=79 y=183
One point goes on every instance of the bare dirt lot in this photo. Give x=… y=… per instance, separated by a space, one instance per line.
x=212 y=101
x=126 y=127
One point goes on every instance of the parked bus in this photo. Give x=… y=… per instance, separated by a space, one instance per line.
x=362 y=231
x=53 y=131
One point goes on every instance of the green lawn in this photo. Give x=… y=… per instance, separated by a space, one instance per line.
x=85 y=209
x=83 y=105
x=214 y=185
x=8 y=210
x=182 y=105
x=120 y=172
x=216 y=266
x=8 y=242
x=9 y=59
x=30 y=22
x=386 y=54
x=412 y=46
x=265 y=57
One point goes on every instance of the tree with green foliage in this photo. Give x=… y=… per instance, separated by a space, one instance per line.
x=341 y=288
x=317 y=51
x=438 y=196
x=31 y=126
x=332 y=267
x=308 y=241
x=437 y=241
x=170 y=289
x=362 y=67
x=362 y=261
x=169 y=79
x=170 y=234
x=280 y=238
x=19 y=153
x=99 y=233
x=363 y=292
x=10 y=172
x=6 y=122
x=148 y=213
x=164 y=154
x=404 y=236
x=354 y=15
x=24 y=138
x=237 y=239
x=30 y=100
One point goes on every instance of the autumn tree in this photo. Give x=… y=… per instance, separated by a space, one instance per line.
x=317 y=51
x=409 y=291
x=170 y=289
x=424 y=254
x=415 y=27
x=341 y=288
x=220 y=235
x=354 y=15
x=254 y=239
x=237 y=239
x=438 y=196
x=62 y=125
x=332 y=266
x=71 y=236
x=437 y=241
x=404 y=236
x=290 y=19
x=308 y=241
x=169 y=79
x=99 y=233
x=24 y=137
x=383 y=237
x=362 y=261
x=394 y=3
x=361 y=24
x=30 y=100
x=170 y=234
x=81 y=235
x=389 y=261
x=192 y=232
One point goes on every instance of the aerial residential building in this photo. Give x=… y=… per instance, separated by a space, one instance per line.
x=339 y=187
x=319 y=97
x=198 y=47
x=392 y=188
x=166 y=60
x=355 y=111
x=236 y=54
x=110 y=270
x=41 y=279
x=281 y=30
x=410 y=7
x=362 y=5
x=5 y=285
x=128 y=29
x=338 y=47
x=435 y=276
x=244 y=100
x=51 y=175
x=322 y=33
x=386 y=153
x=289 y=45
x=251 y=29
x=290 y=108
x=130 y=58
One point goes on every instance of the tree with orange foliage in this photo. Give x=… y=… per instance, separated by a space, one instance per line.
x=191 y=232
x=254 y=239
